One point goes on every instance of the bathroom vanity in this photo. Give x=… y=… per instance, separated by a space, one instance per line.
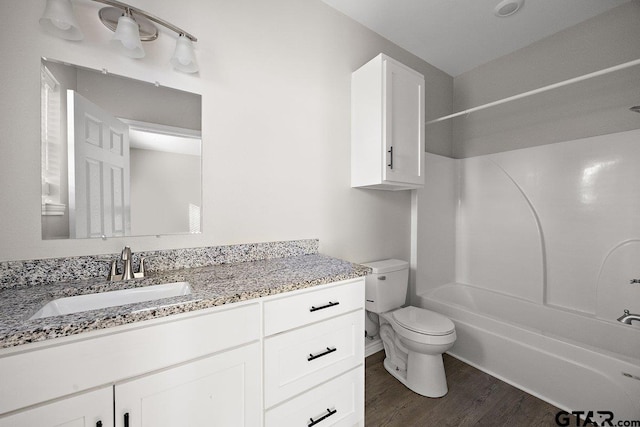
x=282 y=346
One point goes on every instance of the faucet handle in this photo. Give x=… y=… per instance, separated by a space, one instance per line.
x=142 y=271
x=113 y=270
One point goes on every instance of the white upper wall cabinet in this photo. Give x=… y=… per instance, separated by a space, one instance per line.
x=387 y=126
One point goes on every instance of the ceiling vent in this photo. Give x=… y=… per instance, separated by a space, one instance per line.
x=507 y=8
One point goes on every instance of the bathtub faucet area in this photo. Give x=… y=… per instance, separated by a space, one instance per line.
x=627 y=317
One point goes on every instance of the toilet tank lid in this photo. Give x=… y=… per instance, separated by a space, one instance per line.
x=387 y=265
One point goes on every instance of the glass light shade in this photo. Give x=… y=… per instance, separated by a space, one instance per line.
x=184 y=57
x=127 y=38
x=58 y=19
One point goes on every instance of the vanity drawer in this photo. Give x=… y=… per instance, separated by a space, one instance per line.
x=298 y=310
x=339 y=402
x=298 y=360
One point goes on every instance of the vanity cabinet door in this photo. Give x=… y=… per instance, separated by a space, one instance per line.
x=223 y=389
x=90 y=409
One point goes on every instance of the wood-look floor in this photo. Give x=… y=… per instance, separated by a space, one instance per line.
x=474 y=399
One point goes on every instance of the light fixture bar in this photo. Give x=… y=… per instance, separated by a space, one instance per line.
x=149 y=16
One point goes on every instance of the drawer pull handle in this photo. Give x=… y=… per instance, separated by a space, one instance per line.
x=324 y=353
x=331 y=304
x=126 y=419
x=322 y=418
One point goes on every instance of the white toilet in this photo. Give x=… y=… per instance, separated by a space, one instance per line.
x=414 y=338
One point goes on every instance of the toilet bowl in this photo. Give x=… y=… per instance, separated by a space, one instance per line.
x=423 y=336
x=414 y=338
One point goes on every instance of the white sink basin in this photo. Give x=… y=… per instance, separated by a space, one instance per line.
x=95 y=301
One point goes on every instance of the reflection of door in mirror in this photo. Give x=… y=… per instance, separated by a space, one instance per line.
x=99 y=170
x=157 y=191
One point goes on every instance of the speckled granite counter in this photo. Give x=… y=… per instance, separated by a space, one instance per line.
x=211 y=286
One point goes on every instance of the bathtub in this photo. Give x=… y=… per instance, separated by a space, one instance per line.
x=571 y=360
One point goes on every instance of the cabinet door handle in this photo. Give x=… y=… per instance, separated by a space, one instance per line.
x=99 y=424
x=322 y=418
x=324 y=353
x=331 y=304
x=126 y=419
x=390 y=151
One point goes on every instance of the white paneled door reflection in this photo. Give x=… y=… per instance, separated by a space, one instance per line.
x=99 y=174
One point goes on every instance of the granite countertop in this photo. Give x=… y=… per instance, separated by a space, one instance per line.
x=210 y=286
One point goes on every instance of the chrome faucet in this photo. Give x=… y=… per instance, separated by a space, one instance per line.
x=127 y=267
x=627 y=318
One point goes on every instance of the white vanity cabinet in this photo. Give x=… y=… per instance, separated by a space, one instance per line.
x=174 y=371
x=314 y=357
x=299 y=355
x=387 y=126
x=89 y=409
x=223 y=389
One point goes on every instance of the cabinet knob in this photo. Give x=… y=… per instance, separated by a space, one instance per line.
x=99 y=424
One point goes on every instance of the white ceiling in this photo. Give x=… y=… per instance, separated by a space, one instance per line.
x=458 y=35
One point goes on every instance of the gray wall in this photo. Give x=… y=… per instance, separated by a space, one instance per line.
x=275 y=84
x=156 y=177
x=594 y=107
x=141 y=101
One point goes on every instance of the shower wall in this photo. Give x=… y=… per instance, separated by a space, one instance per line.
x=595 y=107
x=435 y=226
x=557 y=224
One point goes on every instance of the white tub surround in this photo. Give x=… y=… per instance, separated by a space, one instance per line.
x=555 y=224
x=546 y=246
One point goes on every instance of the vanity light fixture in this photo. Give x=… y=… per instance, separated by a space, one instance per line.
x=58 y=19
x=131 y=26
x=127 y=36
x=184 y=58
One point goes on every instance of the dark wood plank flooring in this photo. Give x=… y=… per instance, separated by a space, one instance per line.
x=474 y=399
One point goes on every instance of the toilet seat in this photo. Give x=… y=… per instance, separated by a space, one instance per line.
x=422 y=321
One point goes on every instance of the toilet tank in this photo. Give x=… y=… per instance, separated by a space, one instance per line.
x=386 y=286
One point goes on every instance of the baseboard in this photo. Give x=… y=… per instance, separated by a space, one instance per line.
x=372 y=346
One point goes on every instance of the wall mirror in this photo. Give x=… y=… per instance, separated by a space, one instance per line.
x=120 y=157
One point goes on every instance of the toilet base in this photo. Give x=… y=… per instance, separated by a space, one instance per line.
x=424 y=375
